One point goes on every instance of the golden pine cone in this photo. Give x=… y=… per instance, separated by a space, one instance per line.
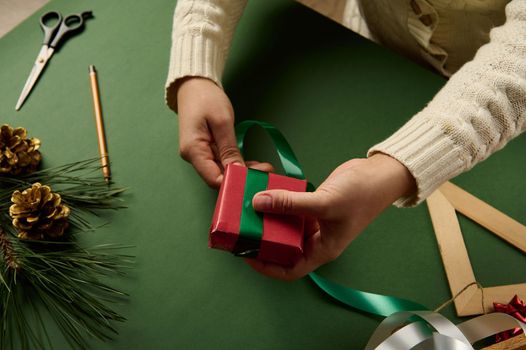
x=18 y=154
x=38 y=213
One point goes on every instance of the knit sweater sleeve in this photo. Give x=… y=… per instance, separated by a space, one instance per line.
x=201 y=36
x=480 y=109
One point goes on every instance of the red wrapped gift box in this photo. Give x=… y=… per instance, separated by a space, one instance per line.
x=237 y=228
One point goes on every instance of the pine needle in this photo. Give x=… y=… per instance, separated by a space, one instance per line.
x=62 y=278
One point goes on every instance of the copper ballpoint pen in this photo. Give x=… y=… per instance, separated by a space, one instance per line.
x=103 y=151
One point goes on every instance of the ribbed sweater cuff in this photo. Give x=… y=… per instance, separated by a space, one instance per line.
x=193 y=55
x=430 y=156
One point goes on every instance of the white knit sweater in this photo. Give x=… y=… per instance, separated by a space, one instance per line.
x=480 y=109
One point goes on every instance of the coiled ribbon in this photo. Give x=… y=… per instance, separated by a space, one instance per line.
x=432 y=331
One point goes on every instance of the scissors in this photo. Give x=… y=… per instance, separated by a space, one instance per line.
x=53 y=35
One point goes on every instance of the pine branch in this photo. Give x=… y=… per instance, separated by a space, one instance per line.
x=66 y=280
x=60 y=278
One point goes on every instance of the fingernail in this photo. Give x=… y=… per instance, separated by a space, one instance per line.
x=262 y=202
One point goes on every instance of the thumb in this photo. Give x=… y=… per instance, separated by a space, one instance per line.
x=288 y=202
x=225 y=139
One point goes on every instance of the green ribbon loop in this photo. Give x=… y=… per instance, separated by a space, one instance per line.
x=382 y=305
x=288 y=159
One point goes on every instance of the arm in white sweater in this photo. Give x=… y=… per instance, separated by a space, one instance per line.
x=201 y=37
x=480 y=109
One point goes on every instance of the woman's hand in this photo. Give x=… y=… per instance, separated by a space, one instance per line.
x=342 y=206
x=206 y=129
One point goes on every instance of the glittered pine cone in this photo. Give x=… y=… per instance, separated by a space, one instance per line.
x=38 y=213
x=18 y=154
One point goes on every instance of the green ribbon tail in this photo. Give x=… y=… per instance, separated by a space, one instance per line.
x=382 y=305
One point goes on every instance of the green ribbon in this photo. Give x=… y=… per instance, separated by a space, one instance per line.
x=251 y=225
x=288 y=159
x=251 y=221
x=377 y=304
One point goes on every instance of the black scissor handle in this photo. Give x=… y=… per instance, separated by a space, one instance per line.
x=49 y=22
x=70 y=23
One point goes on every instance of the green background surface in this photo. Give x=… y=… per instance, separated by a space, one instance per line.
x=333 y=95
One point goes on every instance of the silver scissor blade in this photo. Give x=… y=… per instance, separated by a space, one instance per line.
x=42 y=58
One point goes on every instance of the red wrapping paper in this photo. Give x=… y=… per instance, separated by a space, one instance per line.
x=282 y=239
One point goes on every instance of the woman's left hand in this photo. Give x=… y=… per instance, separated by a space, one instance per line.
x=342 y=206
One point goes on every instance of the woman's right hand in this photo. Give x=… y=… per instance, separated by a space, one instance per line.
x=206 y=129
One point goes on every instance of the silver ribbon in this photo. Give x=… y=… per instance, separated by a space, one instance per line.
x=426 y=330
